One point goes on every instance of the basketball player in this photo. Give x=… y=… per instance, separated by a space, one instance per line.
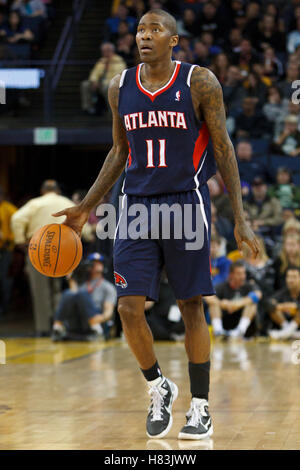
x=165 y=113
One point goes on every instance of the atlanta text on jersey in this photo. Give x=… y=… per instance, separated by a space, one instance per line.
x=142 y=120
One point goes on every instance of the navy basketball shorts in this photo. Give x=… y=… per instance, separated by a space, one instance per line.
x=147 y=242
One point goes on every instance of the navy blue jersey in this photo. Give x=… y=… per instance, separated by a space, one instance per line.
x=169 y=148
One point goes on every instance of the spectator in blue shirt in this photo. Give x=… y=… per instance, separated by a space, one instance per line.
x=219 y=264
x=113 y=22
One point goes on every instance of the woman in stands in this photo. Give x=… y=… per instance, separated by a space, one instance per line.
x=14 y=31
x=288 y=257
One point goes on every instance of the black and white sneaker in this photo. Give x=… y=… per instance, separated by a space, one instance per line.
x=199 y=425
x=159 y=419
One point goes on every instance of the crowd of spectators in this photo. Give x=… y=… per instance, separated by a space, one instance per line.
x=23 y=26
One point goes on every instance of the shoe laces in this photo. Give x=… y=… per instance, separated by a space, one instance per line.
x=195 y=413
x=157 y=402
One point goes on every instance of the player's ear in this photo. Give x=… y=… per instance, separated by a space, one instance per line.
x=174 y=40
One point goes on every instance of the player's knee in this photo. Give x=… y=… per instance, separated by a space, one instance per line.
x=192 y=312
x=128 y=311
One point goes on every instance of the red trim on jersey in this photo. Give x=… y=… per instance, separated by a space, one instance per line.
x=200 y=145
x=152 y=96
x=129 y=155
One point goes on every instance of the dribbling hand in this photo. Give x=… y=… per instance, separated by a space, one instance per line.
x=75 y=218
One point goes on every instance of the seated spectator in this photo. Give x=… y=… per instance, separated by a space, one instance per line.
x=125 y=49
x=87 y=305
x=30 y=8
x=112 y=23
x=219 y=264
x=220 y=199
x=220 y=66
x=164 y=317
x=187 y=26
x=288 y=257
x=250 y=122
x=208 y=39
x=14 y=31
x=265 y=211
x=223 y=225
x=284 y=190
x=252 y=15
x=273 y=68
x=285 y=86
x=185 y=46
x=288 y=109
x=201 y=54
x=291 y=227
x=249 y=165
x=261 y=271
x=233 y=90
x=293 y=39
x=284 y=308
x=209 y=20
x=233 y=42
x=255 y=89
x=288 y=142
x=245 y=56
x=109 y=65
x=235 y=305
x=273 y=107
x=267 y=34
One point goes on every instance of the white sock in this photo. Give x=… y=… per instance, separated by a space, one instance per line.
x=284 y=325
x=97 y=328
x=58 y=327
x=217 y=324
x=243 y=324
x=155 y=382
x=293 y=326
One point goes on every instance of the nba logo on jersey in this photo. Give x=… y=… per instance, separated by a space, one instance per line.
x=177 y=98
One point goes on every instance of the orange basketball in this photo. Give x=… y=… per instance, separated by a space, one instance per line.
x=55 y=250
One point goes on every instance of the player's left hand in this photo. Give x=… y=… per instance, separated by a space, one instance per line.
x=244 y=234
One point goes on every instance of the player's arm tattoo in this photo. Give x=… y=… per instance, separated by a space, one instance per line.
x=207 y=93
x=116 y=159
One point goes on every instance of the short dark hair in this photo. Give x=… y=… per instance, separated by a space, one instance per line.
x=292 y=268
x=169 y=20
x=50 y=185
x=236 y=265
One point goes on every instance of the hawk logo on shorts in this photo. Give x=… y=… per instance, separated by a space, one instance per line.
x=120 y=280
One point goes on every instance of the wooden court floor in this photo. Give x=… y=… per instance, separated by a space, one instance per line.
x=92 y=396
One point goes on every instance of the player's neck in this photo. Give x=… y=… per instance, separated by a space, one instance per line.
x=158 y=71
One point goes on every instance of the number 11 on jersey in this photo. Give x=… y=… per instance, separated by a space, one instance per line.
x=162 y=153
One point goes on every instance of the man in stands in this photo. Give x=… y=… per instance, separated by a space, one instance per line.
x=109 y=65
x=284 y=307
x=235 y=304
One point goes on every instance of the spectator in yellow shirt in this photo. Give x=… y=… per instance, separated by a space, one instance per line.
x=6 y=248
x=109 y=65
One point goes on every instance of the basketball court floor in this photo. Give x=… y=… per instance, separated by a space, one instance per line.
x=92 y=396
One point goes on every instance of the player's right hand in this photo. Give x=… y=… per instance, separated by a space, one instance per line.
x=75 y=218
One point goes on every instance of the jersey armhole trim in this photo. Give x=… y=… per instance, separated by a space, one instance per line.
x=122 y=78
x=188 y=80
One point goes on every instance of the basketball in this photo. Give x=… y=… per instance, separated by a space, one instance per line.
x=55 y=250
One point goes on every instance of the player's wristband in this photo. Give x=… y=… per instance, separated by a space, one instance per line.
x=254 y=297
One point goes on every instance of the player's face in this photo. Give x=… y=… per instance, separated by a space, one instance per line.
x=153 y=39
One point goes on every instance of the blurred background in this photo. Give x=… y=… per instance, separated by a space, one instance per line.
x=57 y=59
